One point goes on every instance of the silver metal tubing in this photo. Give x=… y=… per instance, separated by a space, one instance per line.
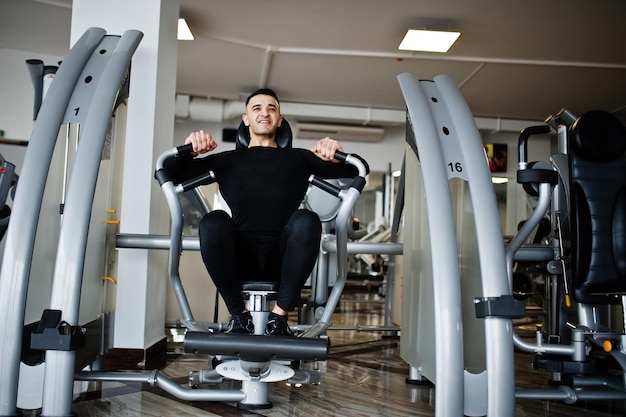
x=160 y=162
x=563 y=393
x=534 y=253
x=414 y=374
x=360 y=328
x=391 y=263
x=137 y=241
x=155 y=379
x=366 y=247
x=527 y=346
x=175 y=244
x=320 y=282
x=356 y=327
x=343 y=217
x=356 y=162
x=198 y=326
x=614 y=382
x=568 y=395
x=543 y=204
x=316 y=329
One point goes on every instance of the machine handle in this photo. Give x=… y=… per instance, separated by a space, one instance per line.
x=162 y=176
x=184 y=149
x=358 y=182
x=341 y=156
x=203 y=179
x=523 y=142
x=325 y=186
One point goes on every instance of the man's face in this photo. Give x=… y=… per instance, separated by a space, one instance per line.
x=262 y=115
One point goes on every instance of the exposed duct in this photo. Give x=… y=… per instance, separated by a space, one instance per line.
x=215 y=110
x=205 y=109
x=325 y=120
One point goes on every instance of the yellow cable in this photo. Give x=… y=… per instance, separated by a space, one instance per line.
x=113 y=280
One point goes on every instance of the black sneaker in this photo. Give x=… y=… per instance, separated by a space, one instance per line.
x=241 y=324
x=277 y=326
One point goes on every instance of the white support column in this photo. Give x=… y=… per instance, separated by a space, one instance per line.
x=141 y=274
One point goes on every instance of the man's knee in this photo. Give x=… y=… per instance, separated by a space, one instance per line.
x=305 y=222
x=215 y=225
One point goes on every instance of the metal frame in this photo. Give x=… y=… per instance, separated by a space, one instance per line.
x=71 y=98
x=444 y=131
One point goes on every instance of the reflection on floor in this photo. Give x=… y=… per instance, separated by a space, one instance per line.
x=364 y=376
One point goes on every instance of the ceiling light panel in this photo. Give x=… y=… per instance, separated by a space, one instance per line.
x=184 y=33
x=428 y=40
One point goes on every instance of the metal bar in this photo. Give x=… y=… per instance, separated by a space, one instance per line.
x=343 y=218
x=543 y=204
x=568 y=395
x=174 y=242
x=366 y=247
x=155 y=379
x=148 y=241
x=395 y=226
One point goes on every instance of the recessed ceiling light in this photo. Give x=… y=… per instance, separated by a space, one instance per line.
x=428 y=40
x=184 y=33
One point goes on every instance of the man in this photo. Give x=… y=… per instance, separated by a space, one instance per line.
x=268 y=237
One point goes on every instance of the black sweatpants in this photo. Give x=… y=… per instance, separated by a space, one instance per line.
x=232 y=257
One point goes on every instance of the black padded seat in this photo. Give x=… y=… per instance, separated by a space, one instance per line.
x=260 y=286
x=598 y=207
x=284 y=136
x=259 y=293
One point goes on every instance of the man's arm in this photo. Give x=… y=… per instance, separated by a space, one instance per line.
x=325 y=148
x=201 y=141
x=185 y=167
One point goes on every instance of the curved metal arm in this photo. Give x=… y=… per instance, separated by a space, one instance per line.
x=358 y=182
x=172 y=153
x=171 y=192
x=344 y=215
x=523 y=142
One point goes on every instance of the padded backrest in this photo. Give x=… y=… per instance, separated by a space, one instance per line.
x=284 y=136
x=597 y=143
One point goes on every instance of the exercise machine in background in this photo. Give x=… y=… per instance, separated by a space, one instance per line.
x=8 y=184
x=582 y=189
x=458 y=304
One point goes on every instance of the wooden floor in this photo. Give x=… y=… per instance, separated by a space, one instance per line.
x=364 y=376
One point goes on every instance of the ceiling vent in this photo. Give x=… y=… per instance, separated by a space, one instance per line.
x=338 y=132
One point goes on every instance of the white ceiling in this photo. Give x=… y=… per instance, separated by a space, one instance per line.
x=515 y=59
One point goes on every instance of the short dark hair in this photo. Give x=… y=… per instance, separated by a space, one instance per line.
x=265 y=92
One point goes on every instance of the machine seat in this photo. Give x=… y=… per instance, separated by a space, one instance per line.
x=598 y=207
x=260 y=286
